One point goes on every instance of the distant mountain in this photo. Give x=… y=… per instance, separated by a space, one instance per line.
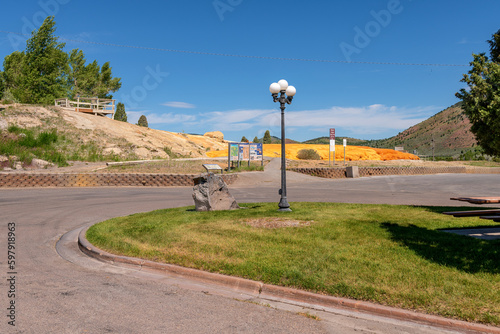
x=449 y=130
x=276 y=140
x=338 y=141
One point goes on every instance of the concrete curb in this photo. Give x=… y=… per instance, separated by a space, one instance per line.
x=273 y=292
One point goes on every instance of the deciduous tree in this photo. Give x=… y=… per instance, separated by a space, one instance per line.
x=481 y=101
x=495 y=47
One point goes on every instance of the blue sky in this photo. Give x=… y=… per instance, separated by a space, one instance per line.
x=197 y=91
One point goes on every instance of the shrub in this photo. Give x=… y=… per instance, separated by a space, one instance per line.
x=47 y=138
x=14 y=129
x=308 y=154
x=8 y=97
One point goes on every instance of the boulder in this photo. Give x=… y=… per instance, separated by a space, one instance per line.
x=216 y=135
x=39 y=163
x=211 y=193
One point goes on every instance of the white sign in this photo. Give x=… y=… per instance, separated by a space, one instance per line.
x=332 y=145
x=345 y=142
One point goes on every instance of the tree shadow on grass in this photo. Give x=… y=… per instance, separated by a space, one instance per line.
x=467 y=254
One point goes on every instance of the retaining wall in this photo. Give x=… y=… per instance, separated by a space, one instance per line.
x=100 y=180
x=340 y=172
x=186 y=180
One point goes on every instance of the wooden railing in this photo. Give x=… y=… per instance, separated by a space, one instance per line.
x=91 y=105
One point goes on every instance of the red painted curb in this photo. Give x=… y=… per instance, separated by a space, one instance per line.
x=278 y=292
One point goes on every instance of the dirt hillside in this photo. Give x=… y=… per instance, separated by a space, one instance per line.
x=112 y=137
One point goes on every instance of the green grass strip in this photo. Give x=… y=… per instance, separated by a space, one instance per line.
x=392 y=255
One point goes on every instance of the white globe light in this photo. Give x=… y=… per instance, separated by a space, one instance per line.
x=283 y=84
x=290 y=91
x=274 y=88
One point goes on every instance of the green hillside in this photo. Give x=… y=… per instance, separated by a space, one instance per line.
x=338 y=141
x=448 y=130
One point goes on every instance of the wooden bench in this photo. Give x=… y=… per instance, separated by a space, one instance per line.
x=87 y=110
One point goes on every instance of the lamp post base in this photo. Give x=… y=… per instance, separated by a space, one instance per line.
x=284 y=206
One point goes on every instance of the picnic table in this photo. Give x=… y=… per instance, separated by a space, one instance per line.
x=493 y=214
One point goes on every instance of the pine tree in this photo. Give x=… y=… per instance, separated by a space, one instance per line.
x=143 y=121
x=13 y=73
x=2 y=87
x=44 y=72
x=90 y=80
x=256 y=140
x=120 y=114
x=45 y=66
x=244 y=139
x=267 y=138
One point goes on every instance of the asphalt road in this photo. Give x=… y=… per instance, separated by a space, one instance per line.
x=62 y=291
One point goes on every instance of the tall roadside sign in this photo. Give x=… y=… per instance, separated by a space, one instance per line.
x=345 y=144
x=332 y=146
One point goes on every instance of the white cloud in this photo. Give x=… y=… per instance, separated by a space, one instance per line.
x=153 y=118
x=233 y=116
x=176 y=104
x=133 y=116
x=465 y=40
x=169 y=118
x=370 y=119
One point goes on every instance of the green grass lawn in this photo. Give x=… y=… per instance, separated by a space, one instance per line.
x=392 y=255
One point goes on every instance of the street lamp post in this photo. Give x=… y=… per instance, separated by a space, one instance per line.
x=286 y=95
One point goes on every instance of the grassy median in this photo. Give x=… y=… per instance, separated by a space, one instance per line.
x=392 y=255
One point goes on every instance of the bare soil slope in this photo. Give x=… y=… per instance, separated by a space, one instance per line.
x=123 y=139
